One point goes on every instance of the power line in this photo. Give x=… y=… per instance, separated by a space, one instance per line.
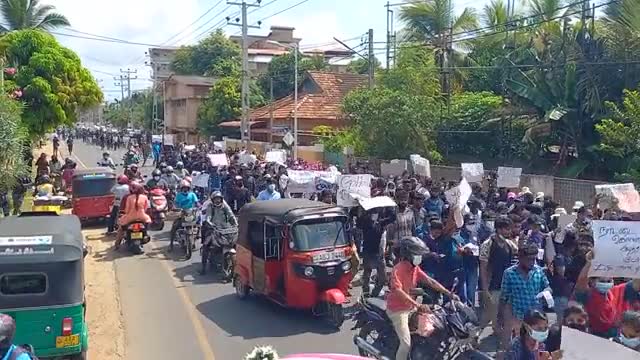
x=205 y=24
x=283 y=10
x=195 y=21
x=113 y=40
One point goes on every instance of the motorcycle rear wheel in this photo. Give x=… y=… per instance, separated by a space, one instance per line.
x=188 y=249
x=227 y=267
x=370 y=334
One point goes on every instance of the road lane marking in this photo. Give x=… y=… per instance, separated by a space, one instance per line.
x=201 y=334
x=189 y=306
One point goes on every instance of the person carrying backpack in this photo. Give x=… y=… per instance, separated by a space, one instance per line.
x=9 y=351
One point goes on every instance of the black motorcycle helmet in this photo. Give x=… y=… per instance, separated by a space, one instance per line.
x=156 y=172
x=7 y=331
x=410 y=246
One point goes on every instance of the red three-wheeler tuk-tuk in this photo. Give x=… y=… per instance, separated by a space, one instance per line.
x=296 y=253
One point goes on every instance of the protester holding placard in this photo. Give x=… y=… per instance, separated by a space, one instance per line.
x=403 y=224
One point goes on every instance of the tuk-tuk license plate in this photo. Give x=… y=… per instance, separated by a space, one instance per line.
x=328 y=256
x=66 y=341
x=136 y=235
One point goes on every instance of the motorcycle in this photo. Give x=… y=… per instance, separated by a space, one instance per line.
x=136 y=236
x=452 y=332
x=158 y=208
x=219 y=250
x=188 y=231
x=130 y=158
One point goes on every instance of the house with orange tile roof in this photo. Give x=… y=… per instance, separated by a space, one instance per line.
x=319 y=104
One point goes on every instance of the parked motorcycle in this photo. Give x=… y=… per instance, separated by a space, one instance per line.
x=454 y=334
x=219 y=250
x=158 y=208
x=136 y=236
x=188 y=231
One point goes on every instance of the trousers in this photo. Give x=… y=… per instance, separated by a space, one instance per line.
x=400 y=321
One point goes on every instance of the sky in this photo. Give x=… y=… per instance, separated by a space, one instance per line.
x=171 y=23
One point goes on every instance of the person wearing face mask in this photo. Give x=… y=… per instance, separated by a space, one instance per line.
x=405 y=276
x=372 y=225
x=521 y=287
x=629 y=330
x=469 y=278
x=239 y=195
x=269 y=193
x=156 y=181
x=403 y=224
x=185 y=199
x=529 y=345
x=576 y=317
x=434 y=203
x=598 y=300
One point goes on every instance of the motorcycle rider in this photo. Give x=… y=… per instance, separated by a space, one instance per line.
x=134 y=207
x=120 y=190
x=156 y=180
x=185 y=199
x=8 y=351
x=133 y=173
x=171 y=178
x=44 y=188
x=405 y=276
x=218 y=214
x=181 y=171
x=106 y=160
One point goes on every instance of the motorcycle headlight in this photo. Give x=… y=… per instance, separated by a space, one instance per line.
x=308 y=271
x=346 y=266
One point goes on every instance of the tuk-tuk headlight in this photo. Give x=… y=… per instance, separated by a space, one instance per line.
x=308 y=271
x=346 y=266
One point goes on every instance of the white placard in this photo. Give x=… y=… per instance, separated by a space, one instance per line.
x=218 y=159
x=219 y=145
x=473 y=172
x=624 y=196
x=394 y=168
x=376 y=202
x=353 y=184
x=279 y=156
x=247 y=158
x=458 y=197
x=421 y=166
x=301 y=181
x=564 y=220
x=189 y=147
x=509 y=177
x=169 y=139
x=616 y=249
x=156 y=138
x=201 y=180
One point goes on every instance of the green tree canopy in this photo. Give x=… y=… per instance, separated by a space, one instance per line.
x=214 y=55
x=54 y=83
x=282 y=72
x=29 y=14
x=12 y=136
x=361 y=66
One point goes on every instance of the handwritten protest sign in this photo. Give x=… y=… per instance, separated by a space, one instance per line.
x=473 y=172
x=219 y=145
x=276 y=156
x=301 y=181
x=509 y=177
x=625 y=196
x=218 y=159
x=616 y=249
x=394 y=168
x=353 y=184
x=247 y=158
x=376 y=202
x=201 y=180
x=458 y=197
x=420 y=165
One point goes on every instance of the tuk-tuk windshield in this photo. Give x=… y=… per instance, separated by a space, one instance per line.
x=314 y=234
x=94 y=187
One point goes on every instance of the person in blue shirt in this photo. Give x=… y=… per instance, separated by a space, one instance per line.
x=8 y=351
x=434 y=203
x=185 y=199
x=215 y=179
x=269 y=193
x=470 y=263
x=445 y=259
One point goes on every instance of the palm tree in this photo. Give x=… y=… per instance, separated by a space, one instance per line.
x=429 y=21
x=494 y=15
x=29 y=14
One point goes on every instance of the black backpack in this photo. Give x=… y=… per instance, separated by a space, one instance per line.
x=19 y=350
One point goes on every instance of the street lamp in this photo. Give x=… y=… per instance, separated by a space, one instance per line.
x=293 y=47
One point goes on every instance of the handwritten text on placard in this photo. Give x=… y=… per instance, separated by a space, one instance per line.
x=616 y=249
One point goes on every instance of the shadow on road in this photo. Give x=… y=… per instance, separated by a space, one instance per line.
x=257 y=317
x=190 y=274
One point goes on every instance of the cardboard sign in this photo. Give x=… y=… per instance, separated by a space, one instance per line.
x=353 y=184
x=218 y=159
x=219 y=145
x=420 y=165
x=473 y=172
x=201 y=180
x=279 y=156
x=301 y=181
x=509 y=177
x=458 y=197
x=247 y=158
x=189 y=147
x=624 y=196
x=616 y=249
x=394 y=168
x=376 y=202
x=564 y=220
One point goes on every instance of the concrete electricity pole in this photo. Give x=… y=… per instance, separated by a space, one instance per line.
x=372 y=58
x=245 y=127
x=127 y=76
x=120 y=82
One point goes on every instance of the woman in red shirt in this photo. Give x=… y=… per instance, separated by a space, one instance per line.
x=405 y=276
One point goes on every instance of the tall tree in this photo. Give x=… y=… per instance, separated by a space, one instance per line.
x=12 y=136
x=29 y=14
x=282 y=71
x=428 y=21
x=215 y=55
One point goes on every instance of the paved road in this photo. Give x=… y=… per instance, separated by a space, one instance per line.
x=170 y=310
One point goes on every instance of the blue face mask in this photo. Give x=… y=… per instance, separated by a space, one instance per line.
x=629 y=342
x=539 y=336
x=603 y=287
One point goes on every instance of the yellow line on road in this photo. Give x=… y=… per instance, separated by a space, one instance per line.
x=201 y=334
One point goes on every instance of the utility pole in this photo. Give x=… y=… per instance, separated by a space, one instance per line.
x=245 y=127
x=271 y=111
x=127 y=76
x=372 y=64
x=389 y=31
x=119 y=81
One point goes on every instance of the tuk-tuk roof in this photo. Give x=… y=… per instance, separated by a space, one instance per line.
x=285 y=210
x=102 y=171
x=40 y=238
